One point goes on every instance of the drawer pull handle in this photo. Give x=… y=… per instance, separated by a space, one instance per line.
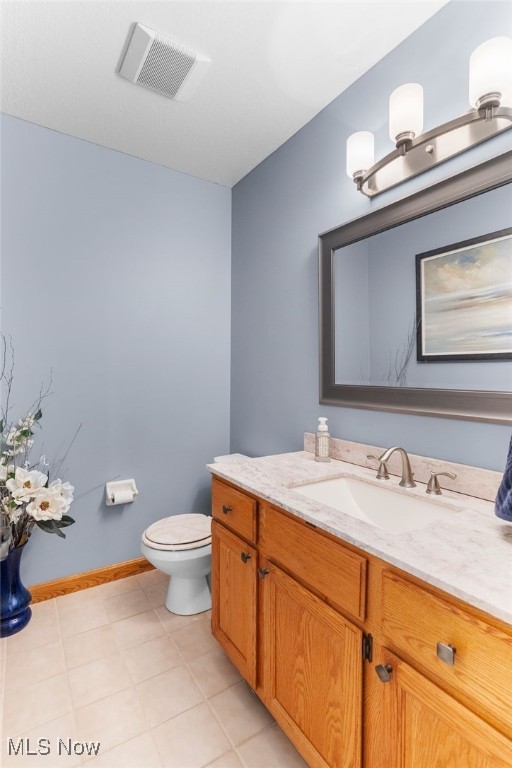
x=384 y=672
x=245 y=556
x=446 y=653
x=262 y=572
x=226 y=509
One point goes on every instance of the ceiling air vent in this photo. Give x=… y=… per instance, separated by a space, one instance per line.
x=160 y=64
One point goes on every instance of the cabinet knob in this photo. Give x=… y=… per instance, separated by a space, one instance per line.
x=245 y=556
x=446 y=653
x=262 y=572
x=384 y=672
x=226 y=508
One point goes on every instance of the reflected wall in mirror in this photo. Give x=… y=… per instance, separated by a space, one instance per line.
x=369 y=318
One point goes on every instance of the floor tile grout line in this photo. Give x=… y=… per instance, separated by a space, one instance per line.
x=196 y=680
x=234 y=747
x=102 y=698
x=8 y=688
x=14 y=651
x=240 y=757
x=99 y=658
x=111 y=749
x=109 y=622
x=144 y=718
x=217 y=717
x=84 y=596
x=66 y=671
x=75 y=634
x=207 y=765
x=51 y=677
x=155 y=674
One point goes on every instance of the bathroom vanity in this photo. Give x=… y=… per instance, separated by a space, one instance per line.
x=371 y=649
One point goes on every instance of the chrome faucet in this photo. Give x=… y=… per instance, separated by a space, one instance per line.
x=407 y=476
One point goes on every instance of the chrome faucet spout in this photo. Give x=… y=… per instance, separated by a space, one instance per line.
x=407 y=476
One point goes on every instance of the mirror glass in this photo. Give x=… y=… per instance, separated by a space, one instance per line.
x=465 y=307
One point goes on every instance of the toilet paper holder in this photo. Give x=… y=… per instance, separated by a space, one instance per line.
x=120 y=492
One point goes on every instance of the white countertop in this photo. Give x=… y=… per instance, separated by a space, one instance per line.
x=469 y=557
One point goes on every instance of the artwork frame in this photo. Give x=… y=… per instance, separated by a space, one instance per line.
x=459 y=286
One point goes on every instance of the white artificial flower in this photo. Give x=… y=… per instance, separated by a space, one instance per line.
x=21 y=447
x=27 y=422
x=5 y=469
x=25 y=484
x=14 y=514
x=12 y=436
x=66 y=492
x=47 y=505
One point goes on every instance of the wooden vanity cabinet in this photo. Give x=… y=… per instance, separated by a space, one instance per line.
x=429 y=728
x=281 y=626
x=415 y=620
x=234 y=577
x=297 y=616
x=312 y=671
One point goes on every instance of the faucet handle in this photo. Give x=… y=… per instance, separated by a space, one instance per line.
x=382 y=472
x=433 y=484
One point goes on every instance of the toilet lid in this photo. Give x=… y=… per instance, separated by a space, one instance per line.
x=179 y=532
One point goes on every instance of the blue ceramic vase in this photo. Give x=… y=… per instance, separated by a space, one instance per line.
x=15 y=599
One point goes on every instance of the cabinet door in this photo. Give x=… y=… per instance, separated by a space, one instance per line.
x=313 y=672
x=430 y=729
x=234 y=591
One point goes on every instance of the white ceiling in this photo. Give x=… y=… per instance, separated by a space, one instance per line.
x=275 y=65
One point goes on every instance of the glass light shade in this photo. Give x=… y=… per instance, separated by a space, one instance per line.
x=406 y=111
x=360 y=152
x=490 y=69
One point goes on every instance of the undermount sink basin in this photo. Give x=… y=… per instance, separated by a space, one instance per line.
x=380 y=505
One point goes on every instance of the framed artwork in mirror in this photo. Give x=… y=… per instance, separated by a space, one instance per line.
x=464 y=300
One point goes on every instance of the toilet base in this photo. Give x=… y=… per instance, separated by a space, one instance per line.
x=188 y=596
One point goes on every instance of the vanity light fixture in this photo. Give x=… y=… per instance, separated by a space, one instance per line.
x=490 y=80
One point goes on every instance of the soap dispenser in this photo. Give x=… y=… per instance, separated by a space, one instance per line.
x=323 y=441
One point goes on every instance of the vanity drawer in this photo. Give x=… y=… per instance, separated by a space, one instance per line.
x=319 y=562
x=415 y=621
x=235 y=510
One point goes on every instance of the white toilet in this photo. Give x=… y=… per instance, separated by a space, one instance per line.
x=181 y=546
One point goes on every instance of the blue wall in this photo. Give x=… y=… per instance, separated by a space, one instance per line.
x=115 y=275
x=302 y=190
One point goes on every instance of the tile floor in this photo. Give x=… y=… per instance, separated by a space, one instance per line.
x=110 y=664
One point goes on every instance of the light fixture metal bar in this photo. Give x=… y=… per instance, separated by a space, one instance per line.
x=435 y=147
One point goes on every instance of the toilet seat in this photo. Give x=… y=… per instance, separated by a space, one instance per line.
x=179 y=532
